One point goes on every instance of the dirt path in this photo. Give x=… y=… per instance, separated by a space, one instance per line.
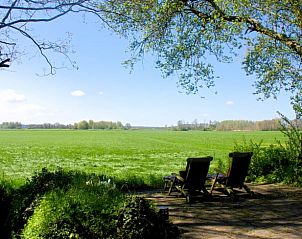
x=275 y=212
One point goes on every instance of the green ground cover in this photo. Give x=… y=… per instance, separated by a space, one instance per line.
x=147 y=154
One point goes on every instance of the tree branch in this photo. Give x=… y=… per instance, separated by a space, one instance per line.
x=5 y=63
x=30 y=20
x=35 y=11
x=9 y=11
x=253 y=25
x=37 y=45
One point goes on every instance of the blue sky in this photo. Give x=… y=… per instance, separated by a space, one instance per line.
x=102 y=89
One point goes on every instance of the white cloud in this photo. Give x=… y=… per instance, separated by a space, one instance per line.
x=77 y=93
x=11 y=96
x=101 y=92
x=21 y=112
x=15 y=107
x=229 y=102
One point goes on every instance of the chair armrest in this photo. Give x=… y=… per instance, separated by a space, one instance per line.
x=178 y=177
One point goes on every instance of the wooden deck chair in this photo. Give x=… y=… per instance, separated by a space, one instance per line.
x=191 y=182
x=236 y=175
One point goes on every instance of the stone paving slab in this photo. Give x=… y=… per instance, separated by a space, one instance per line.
x=274 y=212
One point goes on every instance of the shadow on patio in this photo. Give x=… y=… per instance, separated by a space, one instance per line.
x=274 y=212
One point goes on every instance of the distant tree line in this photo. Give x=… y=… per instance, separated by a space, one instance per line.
x=225 y=125
x=48 y=126
x=11 y=125
x=195 y=125
x=100 y=125
x=19 y=125
x=80 y=125
x=233 y=125
x=264 y=125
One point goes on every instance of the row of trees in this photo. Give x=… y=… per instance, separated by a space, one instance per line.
x=19 y=125
x=11 y=125
x=232 y=125
x=80 y=125
x=195 y=125
x=225 y=125
x=263 y=125
x=100 y=125
x=48 y=126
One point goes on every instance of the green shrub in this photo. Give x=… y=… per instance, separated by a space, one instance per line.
x=139 y=220
x=64 y=204
x=5 y=203
x=81 y=212
x=270 y=162
x=293 y=131
x=93 y=212
x=274 y=163
x=26 y=197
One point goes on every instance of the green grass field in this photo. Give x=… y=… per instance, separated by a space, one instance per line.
x=147 y=154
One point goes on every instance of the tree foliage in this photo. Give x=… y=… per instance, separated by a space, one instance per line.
x=98 y=125
x=11 y=125
x=183 y=34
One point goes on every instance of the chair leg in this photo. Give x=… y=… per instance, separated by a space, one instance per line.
x=171 y=186
x=213 y=184
x=229 y=191
x=205 y=191
x=189 y=199
x=166 y=185
x=248 y=190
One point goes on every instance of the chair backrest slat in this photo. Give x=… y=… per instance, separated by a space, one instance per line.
x=239 y=168
x=196 y=172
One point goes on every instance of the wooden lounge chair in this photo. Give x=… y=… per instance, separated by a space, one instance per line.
x=236 y=175
x=191 y=182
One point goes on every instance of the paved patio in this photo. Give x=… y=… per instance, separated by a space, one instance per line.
x=274 y=212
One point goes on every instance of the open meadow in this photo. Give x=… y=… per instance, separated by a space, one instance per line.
x=147 y=154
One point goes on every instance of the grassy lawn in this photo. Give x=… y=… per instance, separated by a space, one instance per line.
x=148 y=154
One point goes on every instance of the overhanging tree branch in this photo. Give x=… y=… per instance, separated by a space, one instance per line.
x=9 y=11
x=18 y=16
x=5 y=63
x=201 y=28
x=253 y=24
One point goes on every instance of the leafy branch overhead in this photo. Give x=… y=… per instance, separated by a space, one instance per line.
x=185 y=34
x=17 y=18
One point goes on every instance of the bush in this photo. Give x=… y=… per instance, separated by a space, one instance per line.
x=274 y=163
x=81 y=212
x=270 y=163
x=138 y=220
x=96 y=212
x=26 y=197
x=76 y=205
x=5 y=203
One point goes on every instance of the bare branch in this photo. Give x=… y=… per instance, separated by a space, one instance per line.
x=18 y=15
x=37 y=45
x=8 y=43
x=9 y=11
x=5 y=63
